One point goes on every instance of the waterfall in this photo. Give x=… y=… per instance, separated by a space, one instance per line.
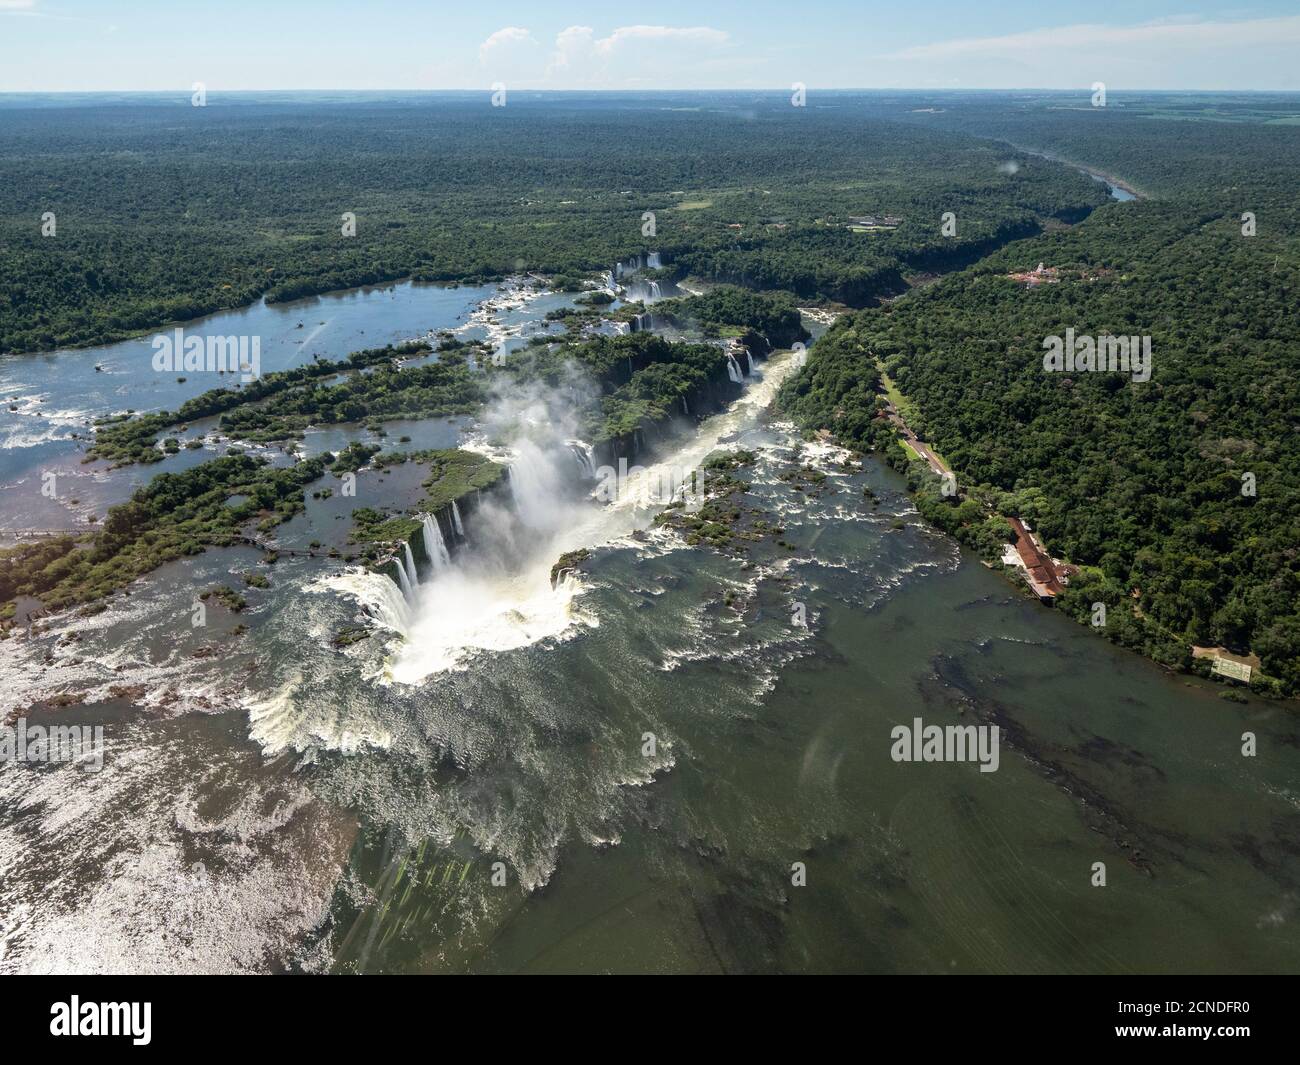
x=646 y=292
x=733 y=369
x=652 y=261
x=582 y=455
x=685 y=409
x=455 y=520
x=434 y=545
x=622 y=328
x=389 y=605
x=539 y=484
x=411 y=574
x=750 y=357
x=408 y=593
x=378 y=595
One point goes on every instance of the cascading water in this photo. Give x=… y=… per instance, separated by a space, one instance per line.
x=646 y=292
x=750 y=357
x=733 y=369
x=583 y=456
x=434 y=545
x=457 y=524
x=407 y=591
x=412 y=576
x=538 y=486
x=653 y=262
x=630 y=267
x=379 y=597
x=502 y=588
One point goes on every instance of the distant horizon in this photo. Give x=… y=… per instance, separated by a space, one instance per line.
x=186 y=91
x=69 y=46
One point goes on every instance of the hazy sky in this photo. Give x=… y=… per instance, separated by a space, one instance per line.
x=87 y=45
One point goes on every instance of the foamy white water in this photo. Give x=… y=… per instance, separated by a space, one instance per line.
x=434 y=544
x=462 y=614
x=478 y=606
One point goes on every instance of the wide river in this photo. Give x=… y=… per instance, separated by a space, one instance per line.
x=655 y=767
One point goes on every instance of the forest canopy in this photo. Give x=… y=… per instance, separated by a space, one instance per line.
x=1180 y=496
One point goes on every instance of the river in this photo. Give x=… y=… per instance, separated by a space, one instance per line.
x=678 y=761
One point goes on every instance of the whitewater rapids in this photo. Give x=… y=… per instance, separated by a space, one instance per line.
x=477 y=605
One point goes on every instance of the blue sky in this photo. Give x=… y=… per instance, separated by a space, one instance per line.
x=80 y=45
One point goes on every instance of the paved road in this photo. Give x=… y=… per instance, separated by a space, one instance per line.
x=936 y=463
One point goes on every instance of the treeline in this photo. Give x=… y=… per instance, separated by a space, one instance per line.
x=728 y=310
x=298 y=398
x=1180 y=496
x=625 y=386
x=175 y=515
x=164 y=213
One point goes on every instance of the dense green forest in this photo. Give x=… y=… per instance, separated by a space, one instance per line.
x=728 y=310
x=279 y=405
x=624 y=384
x=1145 y=484
x=175 y=515
x=164 y=211
x=623 y=387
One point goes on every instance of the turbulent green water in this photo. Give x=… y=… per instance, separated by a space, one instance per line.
x=777 y=751
x=643 y=777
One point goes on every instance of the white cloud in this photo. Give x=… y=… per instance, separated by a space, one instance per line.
x=631 y=51
x=572 y=45
x=505 y=42
x=626 y=56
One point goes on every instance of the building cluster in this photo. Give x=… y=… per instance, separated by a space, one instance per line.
x=1045 y=575
x=1040 y=275
x=871 y=221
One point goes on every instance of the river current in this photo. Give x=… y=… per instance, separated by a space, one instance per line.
x=678 y=759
